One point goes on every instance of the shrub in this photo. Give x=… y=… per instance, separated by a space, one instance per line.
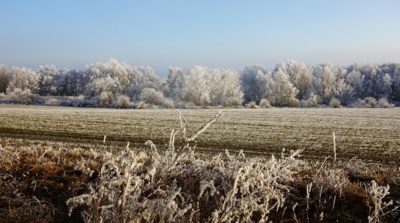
x=83 y=103
x=169 y=103
x=26 y=97
x=106 y=98
x=383 y=103
x=264 y=103
x=53 y=102
x=294 y=103
x=335 y=103
x=141 y=105
x=371 y=102
x=123 y=101
x=234 y=102
x=312 y=101
x=252 y=104
x=22 y=97
x=368 y=102
x=151 y=96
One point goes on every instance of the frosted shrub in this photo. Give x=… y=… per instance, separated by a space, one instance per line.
x=251 y=104
x=264 y=103
x=141 y=105
x=312 y=101
x=23 y=97
x=383 y=103
x=151 y=96
x=105 y=98
x=335 y=103
x=169 y=103
x=123 y=101
x=53 y=102
x=234 y=102
x=293 y=103
x=369 y=102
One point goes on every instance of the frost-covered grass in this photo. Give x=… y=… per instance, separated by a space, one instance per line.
x=369 y=134
x=44 y=181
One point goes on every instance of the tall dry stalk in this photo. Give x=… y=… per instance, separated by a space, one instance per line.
x=334 y=146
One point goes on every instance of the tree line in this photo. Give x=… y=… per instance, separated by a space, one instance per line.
x=289 y=84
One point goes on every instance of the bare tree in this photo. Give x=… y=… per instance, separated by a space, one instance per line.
x=4 y=78
x=253 y=81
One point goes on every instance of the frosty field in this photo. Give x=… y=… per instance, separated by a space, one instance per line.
x=368 y=134
x=57 y=165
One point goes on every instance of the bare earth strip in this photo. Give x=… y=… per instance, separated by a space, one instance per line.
x=369 y=134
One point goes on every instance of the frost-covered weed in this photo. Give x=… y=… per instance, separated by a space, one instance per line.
x=379 y=208
x=176 y=186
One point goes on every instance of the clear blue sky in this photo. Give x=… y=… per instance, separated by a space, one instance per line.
x=218 y=34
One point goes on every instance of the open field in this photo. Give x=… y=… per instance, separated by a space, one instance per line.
x=368 y=134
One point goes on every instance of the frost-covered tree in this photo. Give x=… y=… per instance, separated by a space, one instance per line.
x=225 y=88
x=378 y=81
x=371 y=79
x=70 y=82
x=253 y=82
x=197 y=86
x=150 y=79
x=106 y=84
x=385 y=84
x=144 y=77
x=329 y=82
x=356 y=80
x=47 y=85
x=175 y=83
x=343 y=92
x=281 y=92
x=119 y=78
x=324 y=82
x=396 y=83
x=4 y=78
x=204 y=86
x=121 y=74
x=300 y=75
x=24 y=79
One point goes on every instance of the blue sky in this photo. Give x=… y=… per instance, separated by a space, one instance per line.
x=217 y=34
